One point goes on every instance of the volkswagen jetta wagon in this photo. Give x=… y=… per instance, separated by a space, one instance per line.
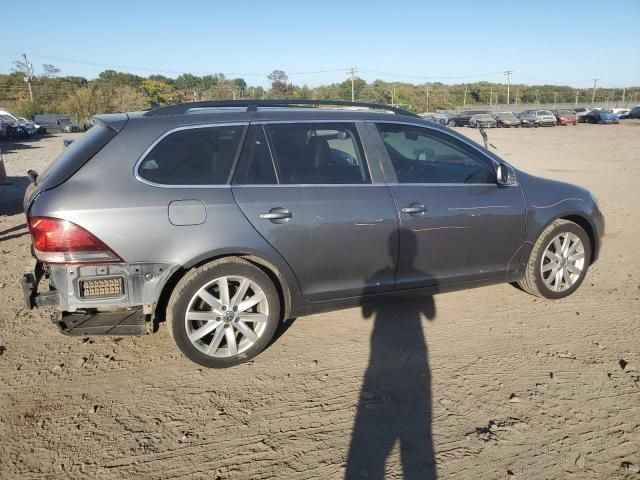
x=224 y=218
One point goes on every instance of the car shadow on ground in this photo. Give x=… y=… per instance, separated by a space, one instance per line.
x=12 y=194
x=8 y=146
x=14 y=232
x=395 y=401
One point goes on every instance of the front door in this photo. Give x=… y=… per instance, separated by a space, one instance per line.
x=319 y=208
x=456 y=223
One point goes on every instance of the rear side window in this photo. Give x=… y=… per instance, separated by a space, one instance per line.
x=193 y=156
x=75 y=156
x=318 y=153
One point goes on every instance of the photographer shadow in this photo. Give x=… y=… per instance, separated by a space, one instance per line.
x=395 y=401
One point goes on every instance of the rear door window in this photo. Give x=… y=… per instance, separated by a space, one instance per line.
x=255 y=166
x=193 y=156
x=318 y=153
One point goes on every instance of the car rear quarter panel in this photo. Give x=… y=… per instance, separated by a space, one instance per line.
x=132 y=218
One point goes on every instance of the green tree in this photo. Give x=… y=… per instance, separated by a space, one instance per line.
x=160 y=93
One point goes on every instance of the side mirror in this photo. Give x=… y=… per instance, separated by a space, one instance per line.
x=505 y=175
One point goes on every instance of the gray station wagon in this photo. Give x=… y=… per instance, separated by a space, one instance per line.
x=224 y=218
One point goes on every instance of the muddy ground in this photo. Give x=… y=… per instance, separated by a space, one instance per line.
x=497 y=383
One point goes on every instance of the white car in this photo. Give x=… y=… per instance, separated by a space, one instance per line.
x=580 y=111
x=620 y=111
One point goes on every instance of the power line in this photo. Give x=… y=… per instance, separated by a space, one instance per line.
x=426 y=77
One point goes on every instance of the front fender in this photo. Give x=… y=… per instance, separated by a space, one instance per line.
x=548 y=200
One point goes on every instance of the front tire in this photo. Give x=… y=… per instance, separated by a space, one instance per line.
x=223 y=313
x=558 y=262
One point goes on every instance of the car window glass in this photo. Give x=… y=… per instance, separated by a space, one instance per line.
x=255 y=166
x=420 y=155
x=318 y=153
x=194 y=156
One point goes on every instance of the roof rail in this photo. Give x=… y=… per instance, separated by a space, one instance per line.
x=253 y=105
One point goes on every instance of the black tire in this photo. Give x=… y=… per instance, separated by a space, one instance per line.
x=193 y=281
x=533 y=281
x=451 y=123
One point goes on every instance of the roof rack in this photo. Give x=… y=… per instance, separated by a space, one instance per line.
x=253 y=105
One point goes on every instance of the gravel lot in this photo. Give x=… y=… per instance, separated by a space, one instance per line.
x=498 y=383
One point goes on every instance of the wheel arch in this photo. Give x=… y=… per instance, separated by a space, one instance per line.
x=583 y=222
x=586 y=225
x=279 y=279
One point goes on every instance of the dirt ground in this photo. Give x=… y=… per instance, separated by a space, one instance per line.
x=495 y=383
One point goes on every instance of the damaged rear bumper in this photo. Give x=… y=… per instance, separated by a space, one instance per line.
x=105 y=299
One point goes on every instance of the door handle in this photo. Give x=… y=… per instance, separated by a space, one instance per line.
x=277 y=215
x=414 y=209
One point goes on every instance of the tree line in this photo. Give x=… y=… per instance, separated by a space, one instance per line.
x=113 y=91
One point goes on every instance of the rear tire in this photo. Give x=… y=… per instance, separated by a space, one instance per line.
x=223 y=313
x=541 y=276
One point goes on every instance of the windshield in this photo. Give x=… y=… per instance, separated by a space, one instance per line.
x=505 y=115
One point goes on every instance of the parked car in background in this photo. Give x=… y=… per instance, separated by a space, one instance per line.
x=11 y=129
x=600 y=116
x=633 y=113
x=463 y=118
x=483 y=120
x=565 y=117
x=226 y=259
x=57 y=123
x=439 y=118
x=31 y=127
x=537 y=118
x=580 y=111
x=88 y=123
x=620 y=111
x=507 y=119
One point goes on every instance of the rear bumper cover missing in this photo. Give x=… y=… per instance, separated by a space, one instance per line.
x=76 y=315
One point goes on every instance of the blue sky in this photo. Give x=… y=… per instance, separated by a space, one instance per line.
x=560 y=42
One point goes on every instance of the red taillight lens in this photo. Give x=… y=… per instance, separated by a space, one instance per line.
x=60 y=241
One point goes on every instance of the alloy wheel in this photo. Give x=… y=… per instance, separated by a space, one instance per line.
x=563 y=262
x=227 y=316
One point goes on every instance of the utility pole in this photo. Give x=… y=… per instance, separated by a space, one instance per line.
x=464 y=101
x=555 y=98
x=517 y=93
x=491 y=96
x=393 y=96
x=29 y=76
x=508 y=75
x=593 y=95
x=427 y=97
x=353 y=91
x=623 y=92
x=577 y=93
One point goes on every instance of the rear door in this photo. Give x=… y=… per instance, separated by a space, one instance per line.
x=456 y=223
x=308 y=189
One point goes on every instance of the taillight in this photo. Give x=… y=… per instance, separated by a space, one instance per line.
x=60 y=241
